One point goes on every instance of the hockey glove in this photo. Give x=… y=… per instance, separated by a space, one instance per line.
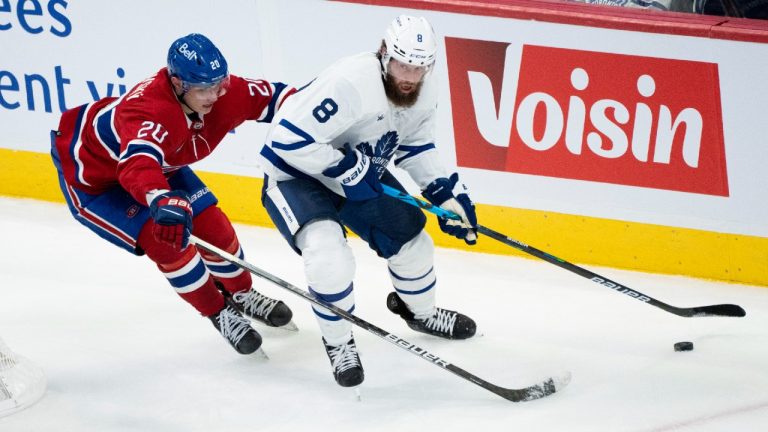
x=356 y=174
x=172 y=214
x=451 y=194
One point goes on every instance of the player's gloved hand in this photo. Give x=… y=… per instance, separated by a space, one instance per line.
x=356 y=174
x=172 y=214
x=451 y=194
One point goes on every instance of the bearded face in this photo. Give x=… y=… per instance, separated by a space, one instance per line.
x=403 y=82
x=401 y=94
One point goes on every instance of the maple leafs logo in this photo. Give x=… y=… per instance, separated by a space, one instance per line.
x=382 y=152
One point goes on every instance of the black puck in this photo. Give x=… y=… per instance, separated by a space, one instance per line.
x=684 y=346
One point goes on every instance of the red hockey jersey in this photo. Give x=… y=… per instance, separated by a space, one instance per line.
x=140 y=138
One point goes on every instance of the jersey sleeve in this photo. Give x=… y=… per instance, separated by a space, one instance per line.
x=417 y=154
x=258 y=99
x=144 y=140
x=310 y=121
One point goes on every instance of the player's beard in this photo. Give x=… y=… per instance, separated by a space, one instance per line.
x=404 y=100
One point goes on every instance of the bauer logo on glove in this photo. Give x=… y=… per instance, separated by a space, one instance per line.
x=360 y=168
x=359 y=182
x=172 y=214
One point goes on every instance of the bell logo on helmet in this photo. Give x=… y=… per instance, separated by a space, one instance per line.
x=188 y=53
x=196 y=61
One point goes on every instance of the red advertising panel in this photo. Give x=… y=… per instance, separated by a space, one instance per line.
x=611 y=118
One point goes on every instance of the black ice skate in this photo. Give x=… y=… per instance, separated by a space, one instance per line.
x=443 y=323
x=269 y=311
x=347 y=369
x=236 y=329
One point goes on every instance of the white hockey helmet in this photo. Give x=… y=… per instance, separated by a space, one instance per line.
x=410 y=40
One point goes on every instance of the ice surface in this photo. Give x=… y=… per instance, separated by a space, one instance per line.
x=123 y=353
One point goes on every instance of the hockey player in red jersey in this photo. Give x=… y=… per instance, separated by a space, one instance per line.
x=123 y=168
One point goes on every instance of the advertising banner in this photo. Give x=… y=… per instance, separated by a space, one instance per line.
x=653 y=126
x=610 y=118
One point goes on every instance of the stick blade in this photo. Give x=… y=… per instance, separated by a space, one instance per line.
x=537 y=391
x=725 y=310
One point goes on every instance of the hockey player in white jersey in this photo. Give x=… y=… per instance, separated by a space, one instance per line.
x=324 y=160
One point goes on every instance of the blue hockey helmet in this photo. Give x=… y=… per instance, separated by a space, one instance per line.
x=196 y=61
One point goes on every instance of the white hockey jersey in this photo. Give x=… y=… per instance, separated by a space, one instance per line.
x=346 y=103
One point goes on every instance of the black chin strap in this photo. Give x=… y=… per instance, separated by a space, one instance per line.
x=180 y=97
x=194 y=116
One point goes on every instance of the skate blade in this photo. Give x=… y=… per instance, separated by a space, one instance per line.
x=562 y=380
x=356 y=391
x=260 y=354
x=291 y=326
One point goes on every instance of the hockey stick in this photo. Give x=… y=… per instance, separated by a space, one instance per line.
x=726 y=310
x=536 y=391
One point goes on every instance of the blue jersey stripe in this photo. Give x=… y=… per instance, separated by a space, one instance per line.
x=305 y=85
x=75 y=139
x=297 y=131
x=413 y=151
x=134 y=149
x=271 y=107
x=282 y=165
x=105 y=132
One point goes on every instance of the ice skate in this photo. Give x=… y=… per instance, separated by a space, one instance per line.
x=442 y=323
x=259 y=307
x=236 y=329
x=345 y=360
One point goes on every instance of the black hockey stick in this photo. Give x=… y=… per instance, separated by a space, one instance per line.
x=725 y=310
x=536 y=391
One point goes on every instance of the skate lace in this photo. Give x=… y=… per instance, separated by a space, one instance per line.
x=232 y=325
x=442 y=321
x=255 y=303
x=344 y=357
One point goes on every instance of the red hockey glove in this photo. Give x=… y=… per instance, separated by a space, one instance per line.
x=172 y=214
